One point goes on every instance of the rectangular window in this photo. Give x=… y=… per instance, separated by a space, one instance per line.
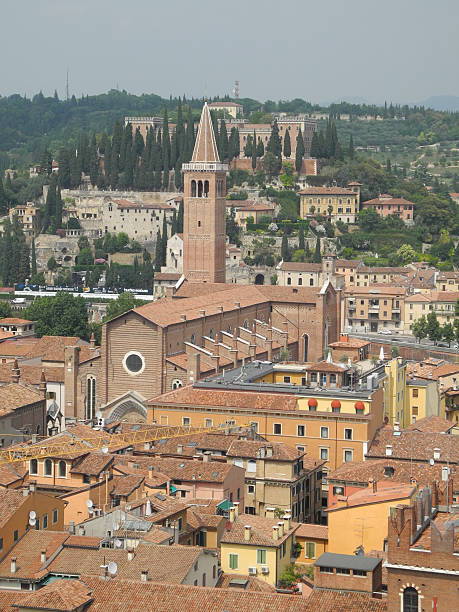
x=209 y=422
x=254 y=426
x=250 y=488
x=359 y=573
x=302 y=449
x=186 y=421
x=234 y=561
x=277 y=429
x=324 y=432
x=313 y=377
x=37 y=524
x=343 y=570
x=261 y=556
x=45 y=521
x=1 y=544
x=286 y=379
x=415 y=392
x=324 y=454
x=348 y=434
x=348 y=455
x=415 y=410
x=301 y=430
x=16 y=535
x=55 y=516
x=310 y=550
x=326 y=570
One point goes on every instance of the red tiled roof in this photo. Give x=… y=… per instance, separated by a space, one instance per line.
x=344 y=601
x=261 y=531
x=59 y=595
x=15 y=395
x=27 y=552
x=14 y=321
x=327 y=191
x=385 y=491
x=251 y=448
x=310 y=530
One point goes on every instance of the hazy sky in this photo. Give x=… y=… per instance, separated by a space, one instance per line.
x=320 y=50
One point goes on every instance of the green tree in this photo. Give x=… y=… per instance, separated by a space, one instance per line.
x=285 y=251
x=5 y=309
x=299 y=153
x=270 y=165
x=63 y=315
x=317 y=257
x=287 y=177
x=126 y=301
x=447 y=332
x=287 y=145
x=85 y=257
x=419 y=329
x=158 y=252
x=315 y=146
x=260 y=148
x=180 y=218
x=406 y=253
x=248 y=146
x=275 y=146
x=223 y=140
x=433 y=327
x=351 y=147
x=52 y=264
x=301 y=238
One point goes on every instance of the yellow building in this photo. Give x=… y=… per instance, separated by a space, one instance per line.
x=420 y=304
x=258 y=546
x=313 y=540
x=16 y=506
x=336 y=203
x=394 y=390
x=422 y=399
x=360 y=520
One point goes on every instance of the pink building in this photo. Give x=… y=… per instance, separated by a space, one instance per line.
x=387 y=205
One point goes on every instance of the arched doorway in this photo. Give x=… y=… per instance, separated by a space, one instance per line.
x=259 y=279
x=128 y=411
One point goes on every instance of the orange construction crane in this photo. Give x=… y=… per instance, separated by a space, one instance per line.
x=64 y=444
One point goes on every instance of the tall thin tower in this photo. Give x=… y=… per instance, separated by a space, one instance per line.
x=204 y=218
x=236 y=89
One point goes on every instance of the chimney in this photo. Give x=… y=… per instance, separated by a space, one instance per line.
x=72 y=527
x=388 y=450
x=436 y=453
x=206 y=456
x=287 y=525
x=232 y=514
x=183 y=317
x=269 y=513
x=34 y=438
x=81 y=530
x=43 y=557
x=280 y=525
x=13 y=565
x=269 y=451
x=179 y=449
x=130 y=554
x=104 y=572
x=15 y=372
x=43 y=384
x=25 y=491
x=236 y=509
x=247 y=530
x=144 y=575
x=275 y=532
x=32 y=487
x=92 y=341
x=396 y=426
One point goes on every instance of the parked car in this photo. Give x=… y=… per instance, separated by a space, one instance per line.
x=385 y=332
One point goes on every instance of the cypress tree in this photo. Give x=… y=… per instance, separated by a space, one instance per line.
x=166 y=141
x=284 y=248
x=351 y=147
x=180 y=218
x=287 y=144
x=164 y=242
x=158 y=252
x=254 y=151
x=260 y=148
x=174 y=152
x=107 y=159
x=94 y=164
x=189 y=135
x=180 y=130
x=301 y=238
x=322 y=147
x=58 y=210
x=317 y=258
x=174 y=223
x=34 y=259
x=139 y=144
x=223 y=138
x=7 y=253
x=46 y=163
x=50 y=205
x=274 y=144
x=299 y=153
x=248 y=146
x=3 y=199
x=64 y=168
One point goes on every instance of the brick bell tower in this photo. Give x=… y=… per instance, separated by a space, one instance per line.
x=204 y=215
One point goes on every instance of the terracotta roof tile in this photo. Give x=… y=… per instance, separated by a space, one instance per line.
x=10 y=501
x=92 y=464
x=327 y=191
x=14 y=321
x=125 y=485
x=76 y=541
x=297 y=266
x=15 y=395
x=253 y=584
x=385 y=491
x=261 y=531
x=415 y=445
x=433 y=424
x=344 y=601
x=28 y=554
x=18 y=347
x=251 y=448
x=31 y=374
x=65 y=595
x=310 y=530
x=51 y=348
x=11 y=473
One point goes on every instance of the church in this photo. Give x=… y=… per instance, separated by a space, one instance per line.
x=205 y=325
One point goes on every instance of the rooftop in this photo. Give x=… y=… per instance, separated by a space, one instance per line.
x=259 y=448
x=59 y=595
x=15 y=395
x=311 y=530
x=354 y=562
x=261 y=531
x=409 y=444
x=382 y=492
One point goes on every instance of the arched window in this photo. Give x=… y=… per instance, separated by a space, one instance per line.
x=33 y=467
x=90 y=397
x=246 y=324
x=206 y=189
x=48 y=467
x=193 y=339
x=62 y=469
x=211 y=334
x=214 y=571
x=410 y=600
x=177 y=383
x=305 y=347
x=289 y=281
x=300 y=281
x=199 y=189
x=193 y=188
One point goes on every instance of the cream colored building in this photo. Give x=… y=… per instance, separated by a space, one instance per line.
x=336 y=203
x=29 y=217
x=304 y=274
x=233 y=109
x=441 y=302
x=371 y=309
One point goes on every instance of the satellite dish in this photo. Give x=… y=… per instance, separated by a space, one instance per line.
x=431 y=461
x=118 y=543
x=104 y=449
x=32 y=522
x=112 y=568
x=32 y=514
x=98 y=414
x=89 y=503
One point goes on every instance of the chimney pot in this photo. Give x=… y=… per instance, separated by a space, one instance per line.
x=287 y=519
x=280 y=525
x=236 y=509
x=179 y=449
x=247 y=530
x=144 y=576
x=81 y=530
x=275 y=532
x=146 y=446
x=206 y=456
x=388 y=450
x=232 y=514
x=269 y=513
x=130 y=554
x=32 y=487
x=13 y=565
x=43 y=556
x=25 y=491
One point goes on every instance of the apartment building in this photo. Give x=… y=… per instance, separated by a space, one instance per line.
x=298 y=274
x=387 y=205
x=335 y=203
x=29 y=216
x=371 y=309
x=443 y=303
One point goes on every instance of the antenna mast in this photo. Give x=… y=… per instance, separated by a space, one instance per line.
x=236 y=89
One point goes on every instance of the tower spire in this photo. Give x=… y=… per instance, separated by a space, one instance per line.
x=205 y=148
